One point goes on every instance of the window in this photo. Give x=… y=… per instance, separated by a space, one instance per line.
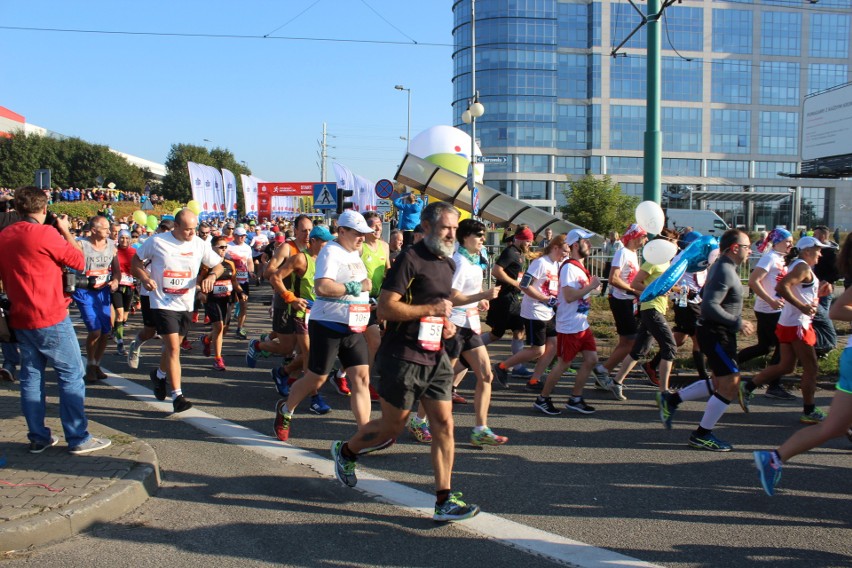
x=574 y=29
x=628 y=76
x=572 y=127
x=732 y=31
x=778 y=133
x=781 y=33
x=574 y=165
x=727 y=168
x=779 y=83
x=771 y=169
x=624 y=166
x=681 y=167
x=536 y=163
x=574 y=76
x=730 y=131
x=626 y=127
x=830 y=35
x=731 y=81
x=681 y=129
x=822 y=76
x=532 y=189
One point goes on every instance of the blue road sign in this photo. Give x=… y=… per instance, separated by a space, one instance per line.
x=325 y=196
x=384 y=188
x=492 y=159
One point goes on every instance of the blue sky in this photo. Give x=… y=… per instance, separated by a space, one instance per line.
x=264 y=99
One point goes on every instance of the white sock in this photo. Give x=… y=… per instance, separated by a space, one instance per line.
x=695 y=391
x=716 y=407
x=176 y=393
x=161 y=374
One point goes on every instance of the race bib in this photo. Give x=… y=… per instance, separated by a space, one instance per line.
x=176 y=281
x=472 y=316
x=242 y=275
x=359 y=317
x=429 y=334
x=126 y=280
x=222 y=288
x=97 y=277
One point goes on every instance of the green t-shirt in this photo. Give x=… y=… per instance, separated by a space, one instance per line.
x=660 y=303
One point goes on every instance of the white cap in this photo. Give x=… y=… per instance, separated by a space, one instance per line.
x=576 y=234
x=353 y=220
x=239 y=231
x=808 y=242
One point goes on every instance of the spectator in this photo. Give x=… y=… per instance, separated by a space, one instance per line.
x=409 y=207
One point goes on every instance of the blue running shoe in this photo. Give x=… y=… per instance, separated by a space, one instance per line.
x=770 y=473
x=709 y=442
x=252 y=353
x=281 y=383
x=318 y=405
x=454 y=509
x=344 y=469
x=666 y=410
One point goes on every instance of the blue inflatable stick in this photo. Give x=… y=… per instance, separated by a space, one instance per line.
x=693 y=258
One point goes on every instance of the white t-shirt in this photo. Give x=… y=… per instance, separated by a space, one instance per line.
x=545 y=273
x=338 y=264
x=805 y=292
x=572 y=317
x=627 y=263
x=773 y=263
x=241 y=255
x=258 y=243
x=174 y=267
x=467 y=279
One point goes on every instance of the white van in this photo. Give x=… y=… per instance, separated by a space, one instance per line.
x=701 y=220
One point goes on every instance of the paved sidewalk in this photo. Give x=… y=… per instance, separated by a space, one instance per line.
x=53 y=495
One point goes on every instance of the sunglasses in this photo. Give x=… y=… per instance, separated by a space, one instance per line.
x=203 y=234
x=221 y=248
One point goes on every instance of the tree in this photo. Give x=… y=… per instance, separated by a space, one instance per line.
x=598 y=205
x=176 y=184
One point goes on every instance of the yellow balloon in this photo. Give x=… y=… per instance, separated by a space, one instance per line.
x=464 y=214
x=194 y=206
x=140 y=217
x=176 y=211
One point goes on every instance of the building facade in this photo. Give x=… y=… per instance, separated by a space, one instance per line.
x=734 y=75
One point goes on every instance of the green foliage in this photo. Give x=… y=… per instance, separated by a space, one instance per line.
x=598 y=205
x=85 y=209
x=176 y=184
x=72 y=161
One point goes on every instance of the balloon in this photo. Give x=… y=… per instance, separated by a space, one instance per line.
x=194 y=206
x=659 y=251
x=176 y=211
x=140 y=217
x=650 y=216
x=665 y=282
x=698 y=254
x=152 y=223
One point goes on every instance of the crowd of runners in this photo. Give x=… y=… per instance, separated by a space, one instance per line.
x=402 y=326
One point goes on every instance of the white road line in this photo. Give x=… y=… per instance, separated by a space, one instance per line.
x=528 y=539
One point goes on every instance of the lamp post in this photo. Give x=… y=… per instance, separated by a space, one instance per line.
x=408 y=136
x=475 y=109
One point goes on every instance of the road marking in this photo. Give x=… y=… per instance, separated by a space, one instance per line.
x=505 y=531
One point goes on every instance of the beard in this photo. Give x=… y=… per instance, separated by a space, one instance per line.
x=438 y=247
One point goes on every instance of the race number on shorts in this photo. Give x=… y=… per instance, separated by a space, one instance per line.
x=473 y=324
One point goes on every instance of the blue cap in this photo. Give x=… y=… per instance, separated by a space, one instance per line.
x=321 y=232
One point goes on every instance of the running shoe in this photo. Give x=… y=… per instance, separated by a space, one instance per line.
x=281 y=425
x=206 y=320
x=281 y=384
x=744 y=396
x=100 y=373
x=667 y=410
x=709 y=442
x=522 y=372
x=457 y=398
x=617 y=390
x=778 y=392
x=651 y=373
x=186 y=345
x=419 y=430
x=602 y=379
x=580 y=406
x=39 y=447
x=319 y=405
x=374 y=396
x=181 y=404
x=770 y=472
x=91 y=445
x=219 y=364
x=206 y=345
x=344 y=469
x=119 y=350
x=241 y=333
x=91 y=374
x=535 y=385
x=545 y=405
x=252 y=353
x=502 y=376
x=816 y=416
x=454 y=509
x=133 y=354
x=6 y=376
x=194 y=317
x=159 y=385
x=341 y=384
x=486 y=437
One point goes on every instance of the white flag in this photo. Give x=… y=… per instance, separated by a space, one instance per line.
x=230 y=183
x=196 y=181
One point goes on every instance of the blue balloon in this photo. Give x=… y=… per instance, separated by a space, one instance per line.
x=665 y=282
x=693 y=258
x=698 y=253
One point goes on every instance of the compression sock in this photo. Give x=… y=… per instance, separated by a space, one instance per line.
x=119 y=331
x=716 y=407
x=699 y=390
x=517 y=345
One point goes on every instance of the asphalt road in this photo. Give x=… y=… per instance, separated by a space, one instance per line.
x=615 y=480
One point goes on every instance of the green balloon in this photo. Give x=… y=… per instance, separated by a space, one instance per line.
x=152 y=223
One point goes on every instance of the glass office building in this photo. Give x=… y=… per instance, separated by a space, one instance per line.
x=734 y=75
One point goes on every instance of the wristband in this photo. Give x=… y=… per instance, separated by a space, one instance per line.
x=288 y=296
x=352 y=288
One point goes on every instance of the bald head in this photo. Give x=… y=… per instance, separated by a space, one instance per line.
x=185 y=223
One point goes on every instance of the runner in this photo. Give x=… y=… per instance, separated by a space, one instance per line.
x=375 y=255
x=799 y=289
x=412 y=363
x=218 y=303
x=572 y=324
x=175 y=259
x=95 y=285
x=839 y=420
x=687 y=309
x=122 y=298
x=241 y=255
x=339 y=316
x=721 y=319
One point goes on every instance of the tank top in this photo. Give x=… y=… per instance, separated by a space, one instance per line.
x=304 y=286
x=376 y=263
x=98 y=268
x=805 y=292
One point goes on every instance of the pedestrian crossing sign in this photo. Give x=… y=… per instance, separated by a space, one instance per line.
x=325 y=196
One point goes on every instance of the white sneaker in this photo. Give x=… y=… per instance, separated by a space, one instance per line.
x=602 y=378
x=93 y=445
x=617 y=391
x=133 y=354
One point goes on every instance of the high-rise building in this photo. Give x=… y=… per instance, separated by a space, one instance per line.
x=734 y=75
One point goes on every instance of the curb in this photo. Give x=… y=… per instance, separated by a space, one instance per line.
x=113 y=502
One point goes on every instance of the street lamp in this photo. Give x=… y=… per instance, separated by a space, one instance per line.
x=408 y=137
x=475 y=109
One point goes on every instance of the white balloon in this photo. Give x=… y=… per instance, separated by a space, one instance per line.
x=659 y=251
x=650 y=216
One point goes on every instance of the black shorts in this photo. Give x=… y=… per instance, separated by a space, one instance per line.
x=245 y=288
x=169 y=321
x=719 y=345
x=122 y=298
x=504 y=314
x=280 y=316
x=654 y=325
x=328 y=344
x=147 y=316
x=402 y=383
x=218 y=309
x=626 y=322
x=685 y=318
x=538 y=332
x=465 y=340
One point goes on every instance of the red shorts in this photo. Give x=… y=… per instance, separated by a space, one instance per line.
x=790 y=333
x=569 y=344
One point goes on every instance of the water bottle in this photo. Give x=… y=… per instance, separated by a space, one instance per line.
x=69 y=280
x=681 y=301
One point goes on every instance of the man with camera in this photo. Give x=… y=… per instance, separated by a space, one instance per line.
x=31 y=270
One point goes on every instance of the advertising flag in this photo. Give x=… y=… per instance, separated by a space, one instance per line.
x=230 y=183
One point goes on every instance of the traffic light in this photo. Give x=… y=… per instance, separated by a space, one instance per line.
x=342 y=204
